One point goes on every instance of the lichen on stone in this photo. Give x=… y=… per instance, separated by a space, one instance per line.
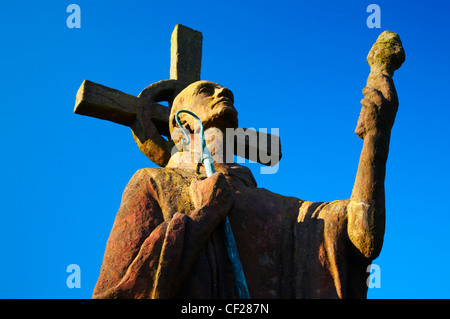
x=387 y=53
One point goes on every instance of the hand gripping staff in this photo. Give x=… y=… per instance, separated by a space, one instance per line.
x=230 y=243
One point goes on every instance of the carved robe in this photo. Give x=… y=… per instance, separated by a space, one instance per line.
x=289 y=248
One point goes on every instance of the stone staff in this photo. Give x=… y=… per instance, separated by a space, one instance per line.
x=366 y=219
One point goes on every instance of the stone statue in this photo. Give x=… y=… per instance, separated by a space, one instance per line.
x=166 y=243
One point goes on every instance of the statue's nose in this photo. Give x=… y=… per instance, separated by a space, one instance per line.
x=224 y=92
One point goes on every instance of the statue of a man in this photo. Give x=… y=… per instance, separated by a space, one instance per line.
x=166 y=243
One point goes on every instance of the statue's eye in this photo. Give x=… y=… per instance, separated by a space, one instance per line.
x=206 y=89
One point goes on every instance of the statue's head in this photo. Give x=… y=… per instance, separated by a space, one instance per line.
x=212 y=103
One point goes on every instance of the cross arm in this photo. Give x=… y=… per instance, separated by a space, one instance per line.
x=105 y=103
x=146 y=118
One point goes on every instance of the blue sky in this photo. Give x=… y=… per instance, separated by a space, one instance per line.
x=292 y=65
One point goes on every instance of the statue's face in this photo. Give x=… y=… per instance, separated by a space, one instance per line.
x=211 y=102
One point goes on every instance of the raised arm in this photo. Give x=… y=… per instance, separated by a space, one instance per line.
x=366 y=209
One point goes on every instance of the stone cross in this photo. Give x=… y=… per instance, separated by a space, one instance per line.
x=147 y=118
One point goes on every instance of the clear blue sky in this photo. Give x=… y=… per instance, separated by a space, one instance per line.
x=292 y=65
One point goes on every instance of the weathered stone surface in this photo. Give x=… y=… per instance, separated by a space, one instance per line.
x=288 y=248
x=366 y=210
x=166 y=243
x=387 y=53
x=140 y=114
x=165 y=90
x=105 y=103
x=381 y=103
x=186 y=54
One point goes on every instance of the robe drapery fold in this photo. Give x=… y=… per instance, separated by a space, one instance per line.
x=289 y=248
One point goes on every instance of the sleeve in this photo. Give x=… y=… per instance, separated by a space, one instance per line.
x=320 y=252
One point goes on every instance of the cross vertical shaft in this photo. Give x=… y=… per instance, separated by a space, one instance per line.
x=186 y=54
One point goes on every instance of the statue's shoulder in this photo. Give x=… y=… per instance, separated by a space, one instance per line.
x=147 y=173
x=168 y=187
x=158 y=178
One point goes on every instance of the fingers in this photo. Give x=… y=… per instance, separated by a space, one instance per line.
x=211 y=191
